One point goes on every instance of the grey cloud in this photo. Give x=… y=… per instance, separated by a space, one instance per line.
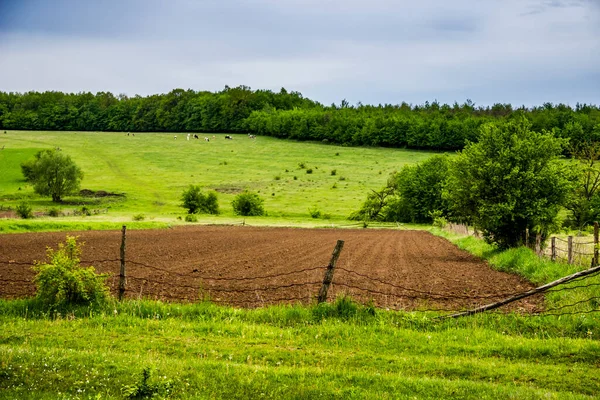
x=377 y=51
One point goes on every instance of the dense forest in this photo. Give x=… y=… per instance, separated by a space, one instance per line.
x=286 y=115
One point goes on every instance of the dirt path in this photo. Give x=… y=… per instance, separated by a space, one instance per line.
x=394 y=269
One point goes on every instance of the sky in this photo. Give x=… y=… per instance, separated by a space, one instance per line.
x=522 y=52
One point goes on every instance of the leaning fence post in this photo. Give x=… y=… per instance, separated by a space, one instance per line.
x=328 y=277
x=553 y=248
x=526 y=237
x=595 y=260
x=570 y=250
x=538 y=244
x=122 y=275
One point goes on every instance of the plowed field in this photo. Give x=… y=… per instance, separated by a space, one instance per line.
x=251 y=266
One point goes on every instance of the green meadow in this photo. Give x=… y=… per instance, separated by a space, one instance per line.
x=339 y=350
x=151 y=170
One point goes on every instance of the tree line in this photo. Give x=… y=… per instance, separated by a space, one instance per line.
x=289 y=115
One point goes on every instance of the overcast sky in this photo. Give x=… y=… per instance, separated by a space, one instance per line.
x=374 y=51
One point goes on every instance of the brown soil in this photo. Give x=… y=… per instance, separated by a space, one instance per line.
x=394 y=269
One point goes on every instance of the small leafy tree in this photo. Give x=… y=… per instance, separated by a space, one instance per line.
x=62 y=281
x=24 y=210
x=197 y=202
x=52 y=174
x=584 y=202
x=508 y=181
x=248 y=204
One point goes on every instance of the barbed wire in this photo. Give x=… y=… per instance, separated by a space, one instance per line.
x=214 y=278
x=428 y=293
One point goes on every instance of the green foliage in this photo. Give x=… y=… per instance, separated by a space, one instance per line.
x=333 y=172
x=584 y=200
x=139 y=217
x=197 y=202
x=439 y=220
x=191 y=218
x=144 y=389
x=248 y=204
x=62 y=281
x=309 y=171
x=314 y=212
x=54 y=212
x=419 y=189
x=286 y=115
x=509 y=181
x=52 y=174
x=24 y=210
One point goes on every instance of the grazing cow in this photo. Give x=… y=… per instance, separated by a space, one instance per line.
x=228 y=137
x=214 y=137
x=206 y=139
x=188 y=136
x=196 y=136
x=251 y=136
x=175 y=137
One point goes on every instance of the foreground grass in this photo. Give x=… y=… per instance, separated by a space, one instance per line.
x=153 y=169
x=332 y=351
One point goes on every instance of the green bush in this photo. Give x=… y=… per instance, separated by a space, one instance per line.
x=309 y=171
x=314 y=212
x=197 y=202
x=139 y=217
x=191 y=218
x=54 y=212
x=62 y=281
x=333 y=172
x=24 y=210
x=248 y=204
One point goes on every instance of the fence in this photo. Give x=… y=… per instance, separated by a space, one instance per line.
x=133 y=279
x=571 y=250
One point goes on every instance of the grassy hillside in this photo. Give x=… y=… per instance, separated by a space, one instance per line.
x=152 y=169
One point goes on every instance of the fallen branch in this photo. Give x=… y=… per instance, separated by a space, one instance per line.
x=525 y=294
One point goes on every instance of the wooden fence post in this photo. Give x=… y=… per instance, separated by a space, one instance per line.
x=538 y=244
x=526 y=237
x=553 y=248
x=570 y=250
x=328 y=277
x=122 y=276
x=595 y=260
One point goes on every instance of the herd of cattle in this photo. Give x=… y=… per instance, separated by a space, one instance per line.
x=195 y=136
x=207 y=139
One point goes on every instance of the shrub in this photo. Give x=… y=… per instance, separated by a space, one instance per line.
x=197 y=202
x=24 y=210
x=301 y=165
x=139 y=217
x=295 y=178
x=85 y=211
x=54 y=212
x=191 y=218
x=309 y=171
x=314 y=212
x=277 y=177
x=62 y=281
x=248 y=204
x=333 y=172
